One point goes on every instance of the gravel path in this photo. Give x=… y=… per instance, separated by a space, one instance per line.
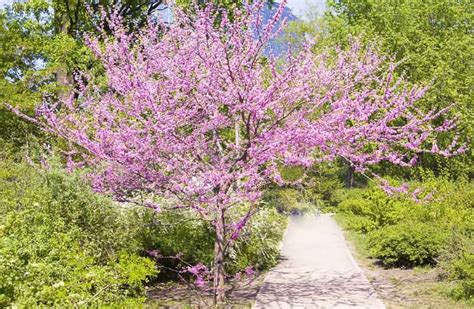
x=316 y=270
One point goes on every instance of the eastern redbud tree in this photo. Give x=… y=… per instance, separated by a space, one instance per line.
x=200 y=112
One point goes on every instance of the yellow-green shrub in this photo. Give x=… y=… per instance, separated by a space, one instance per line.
x=62 y=245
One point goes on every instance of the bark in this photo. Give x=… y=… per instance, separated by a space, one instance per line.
x=63 y=77
x=350 y=176
x=219 y=272
x=64 y=80
x=237 y=145
x=237 y=134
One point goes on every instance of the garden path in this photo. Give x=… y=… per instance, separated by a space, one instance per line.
x=316 y=270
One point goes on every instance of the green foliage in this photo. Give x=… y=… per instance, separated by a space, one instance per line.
x=259 y=243
x=433 y=42
x=288 y=200
x=462 y=272
x=42 y=46
x=457 y=265
x=406 y=244
x=400 y=232
x=309 y=190
x=62 y=245
x=173 y=233
x=34 y=51
x=324 y=182
x=373 y=209
x=183 y=233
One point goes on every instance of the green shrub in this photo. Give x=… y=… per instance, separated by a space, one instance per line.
x=315 y=192
x=259 y=243
x=62 y=245
x=372 y=209
x=322 y=184
x=457 y=265
x=401 y=232
x=406 y=244
x=462 y=274
x=360 y=224
x=184 y=233
x=179 y=232
x=288 y=200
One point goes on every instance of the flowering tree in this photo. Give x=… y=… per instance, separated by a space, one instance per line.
x=195 y=112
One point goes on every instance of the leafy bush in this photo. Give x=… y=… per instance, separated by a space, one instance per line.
x=406 y=244
x=371 y=209
x=357 y=223
x=63 y=245
x=457 y=265
x=288 y=200
x=315 y=193
x=182 y=233
x=259 y=244
x=179 y=232
x=401 y=232
x=462 y=273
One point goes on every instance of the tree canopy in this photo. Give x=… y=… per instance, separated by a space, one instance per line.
x=198 y=113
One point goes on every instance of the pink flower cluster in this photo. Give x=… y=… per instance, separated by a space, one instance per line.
x=197 y=113
x=200 y=272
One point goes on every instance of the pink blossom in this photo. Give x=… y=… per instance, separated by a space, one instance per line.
x=154 y=253
x=192 y=113
x=249 y=271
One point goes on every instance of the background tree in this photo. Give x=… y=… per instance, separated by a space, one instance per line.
x=165 y=123
x=42 y=46
x=434 y=42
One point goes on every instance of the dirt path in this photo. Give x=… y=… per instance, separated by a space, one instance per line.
x=316 y=271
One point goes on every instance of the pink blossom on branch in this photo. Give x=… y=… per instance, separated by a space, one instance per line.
x=197 y=113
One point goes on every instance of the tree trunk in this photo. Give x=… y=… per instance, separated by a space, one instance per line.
x=350 y=176
x=219 y=272
x=64 y=81
x=63 y=77
x=237 y=134
x=237 y=145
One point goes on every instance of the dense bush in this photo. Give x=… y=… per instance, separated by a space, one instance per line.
x=178 y=233
x=289 y=200
x=400 y=231
x=259 y=244
x=457 y=265
x=62 y=245
x=183 y=234
x=371 y=209
x=406 y=244
x=307 y=190
x=462 y=273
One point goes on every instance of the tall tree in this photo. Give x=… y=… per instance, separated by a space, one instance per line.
x=42 y=37
x=42 y=46
x=165 y=123
x=432 y=39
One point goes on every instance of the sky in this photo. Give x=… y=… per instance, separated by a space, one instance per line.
x=299 y=7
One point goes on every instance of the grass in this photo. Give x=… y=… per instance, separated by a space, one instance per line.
x=357 y=240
